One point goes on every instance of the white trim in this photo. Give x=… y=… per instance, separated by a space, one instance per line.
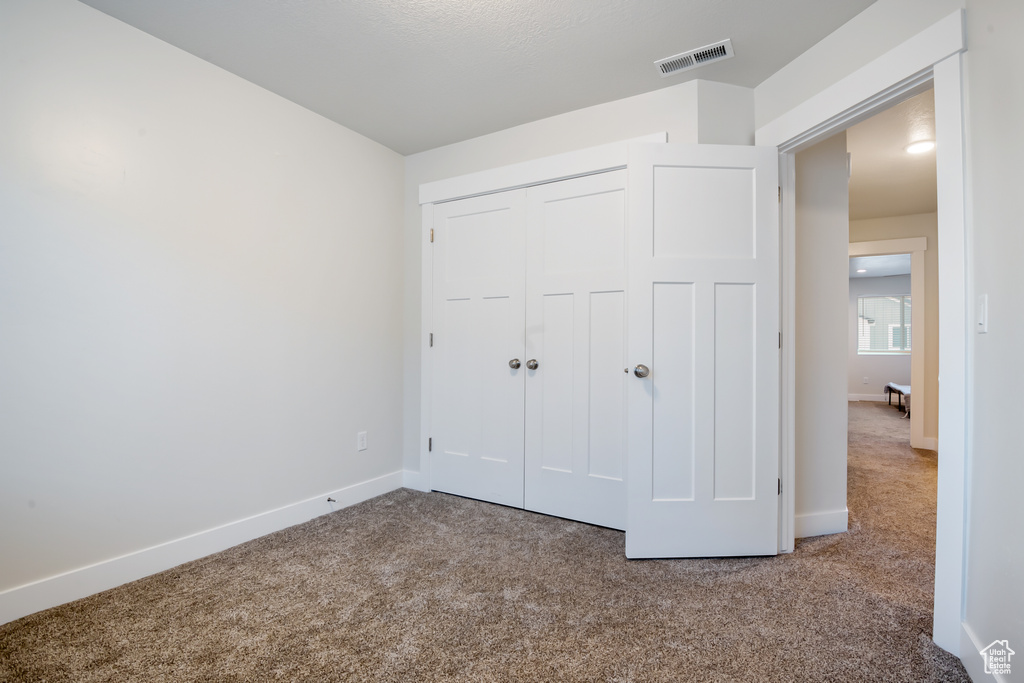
x=78 y=583
x=411 y=479
x=915 y=246
x=922 y=397
x=955 y=339
x=929 y=444
x=970 y=656
x=892 y=77
x=905 y=245
x=821 y=523
x=901 y=72
x=787 y=360
x=550 y=169
x=876 y=398
x=426 y=321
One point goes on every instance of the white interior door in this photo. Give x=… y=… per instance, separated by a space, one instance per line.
x=704 y=318
x=575 y=330
x=478 y=324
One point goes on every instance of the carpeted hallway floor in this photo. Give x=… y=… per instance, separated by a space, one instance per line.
x=428 y=587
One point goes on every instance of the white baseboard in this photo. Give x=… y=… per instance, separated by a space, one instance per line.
x=414 y=479
x=881 y=398
x=821 y=523
x=970 y=655
x=78 y=583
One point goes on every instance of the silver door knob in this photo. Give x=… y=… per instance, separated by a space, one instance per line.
x=514 y=363
x=641 y=371
x=532 y=364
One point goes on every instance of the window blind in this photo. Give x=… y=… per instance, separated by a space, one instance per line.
x=883 y=324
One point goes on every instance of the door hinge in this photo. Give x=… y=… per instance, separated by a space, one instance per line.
x=431 y=234
x=430 y=444
x=780 y=194
x=431 y=339
x=780 y=340
x=780 y=487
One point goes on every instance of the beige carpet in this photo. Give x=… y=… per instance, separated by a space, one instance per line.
x=429 y=587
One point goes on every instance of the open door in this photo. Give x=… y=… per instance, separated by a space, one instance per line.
x=703 y=343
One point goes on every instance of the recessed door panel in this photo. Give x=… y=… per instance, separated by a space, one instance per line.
x=555 y=383
x=477 y=245
x=578 y=235
x=674 y=383
x=735 y=465
x=703 y=212
x=607 y=405
x=461 y=392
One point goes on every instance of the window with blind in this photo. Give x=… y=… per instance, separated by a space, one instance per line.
x=883 y=324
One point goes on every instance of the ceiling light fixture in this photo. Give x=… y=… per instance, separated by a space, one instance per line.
x=862 y=271
x=920 y=147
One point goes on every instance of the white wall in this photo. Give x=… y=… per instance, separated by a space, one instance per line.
x=822 y=295
x=200 y=289
x=725 y=114
x=881 y=369
x=689 y=112
x=995 y=561
x=916 y=225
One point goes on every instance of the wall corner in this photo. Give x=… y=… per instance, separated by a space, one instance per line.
x=725 y=114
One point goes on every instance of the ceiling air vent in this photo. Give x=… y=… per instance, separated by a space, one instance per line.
x=694 y=58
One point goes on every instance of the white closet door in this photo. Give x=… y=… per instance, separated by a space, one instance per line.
x=575 y=330
x=704 y=317
x=478 y=323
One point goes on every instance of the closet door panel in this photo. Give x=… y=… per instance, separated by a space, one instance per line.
x=555 y=386
x=479 y=318
x=607 y=426
x=575 y=399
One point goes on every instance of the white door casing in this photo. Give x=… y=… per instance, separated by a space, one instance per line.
x=575 y=328
x=703 y=307
x=479 y=318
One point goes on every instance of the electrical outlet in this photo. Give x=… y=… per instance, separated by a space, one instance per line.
x=865 y=380
x=361 y=441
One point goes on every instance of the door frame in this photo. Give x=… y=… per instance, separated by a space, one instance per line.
x=932 y=58
x=601 y=159
x=915 y=247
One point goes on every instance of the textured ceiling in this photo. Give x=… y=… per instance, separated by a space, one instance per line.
x=885 y=179
x=418 y=74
